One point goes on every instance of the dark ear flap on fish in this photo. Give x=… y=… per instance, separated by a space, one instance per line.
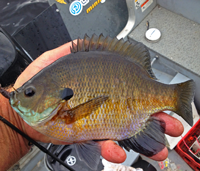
x=66 y=94
x=89 y=152
x=83 y=110
x=133 y=51
x=149 y=141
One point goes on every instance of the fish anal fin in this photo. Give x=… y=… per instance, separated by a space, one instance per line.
x=82 y=110
x=148 y=141
x=89 y=152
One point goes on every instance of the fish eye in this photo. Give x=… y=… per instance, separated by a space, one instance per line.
x=29 y=92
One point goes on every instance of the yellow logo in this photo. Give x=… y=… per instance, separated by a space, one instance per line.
x=93 y=6
x=61 y=1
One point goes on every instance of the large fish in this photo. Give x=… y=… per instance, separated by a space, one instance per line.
x=104 y=89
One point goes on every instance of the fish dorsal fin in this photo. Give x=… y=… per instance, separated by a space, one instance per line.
x=83 y=110
x=134 y=51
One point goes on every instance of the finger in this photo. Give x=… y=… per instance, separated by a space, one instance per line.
x=162 y=155
x=54 y=54
x=173 y=126
x=112 y=152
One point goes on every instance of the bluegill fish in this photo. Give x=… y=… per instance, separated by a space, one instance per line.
x=104 y=89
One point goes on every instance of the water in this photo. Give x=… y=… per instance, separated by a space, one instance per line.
x=15 y=14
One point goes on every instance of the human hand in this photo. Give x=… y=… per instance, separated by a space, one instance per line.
x=109 y=150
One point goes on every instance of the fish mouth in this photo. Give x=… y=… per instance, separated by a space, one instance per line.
x=13 y=101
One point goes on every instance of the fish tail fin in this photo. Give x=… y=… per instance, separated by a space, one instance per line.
x=185 y=94
x=149 y=141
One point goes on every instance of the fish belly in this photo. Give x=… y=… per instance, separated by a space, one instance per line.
x=110 y=121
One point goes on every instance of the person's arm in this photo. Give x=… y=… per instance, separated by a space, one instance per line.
x=13 y=145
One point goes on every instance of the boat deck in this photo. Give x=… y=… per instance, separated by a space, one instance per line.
x=180 y=40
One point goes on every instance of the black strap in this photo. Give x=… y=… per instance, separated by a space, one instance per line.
x=35 y=143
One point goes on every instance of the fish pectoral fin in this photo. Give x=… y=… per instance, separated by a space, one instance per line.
x=148 y=141
x=83 y=109
x=89 y=152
